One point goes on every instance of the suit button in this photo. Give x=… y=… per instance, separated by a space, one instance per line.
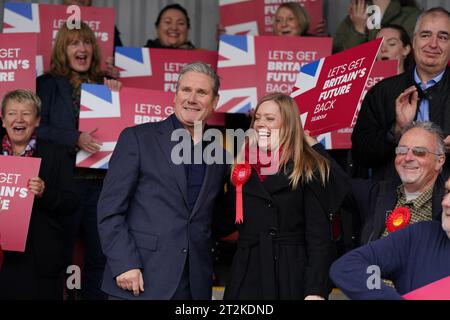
x=270 y=205
x=184 y=250
x=273 y=232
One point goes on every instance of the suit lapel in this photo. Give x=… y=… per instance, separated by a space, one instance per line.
x=166 y=145
x=386 y=202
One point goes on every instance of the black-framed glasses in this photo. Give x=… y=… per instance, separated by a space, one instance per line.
x=417 y=151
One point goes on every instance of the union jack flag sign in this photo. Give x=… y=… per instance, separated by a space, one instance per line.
x=341 y=139
x=328 y=91
x=111 y=112
x=253 y=66
x=47 y=19
x=157 y=69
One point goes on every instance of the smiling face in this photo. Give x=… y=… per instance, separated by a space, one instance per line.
x=172 y=30
x=392 y=47
x=194 y=99
x=20 y=120
x=267 y=124
x=286 y=23
x=79 y=54
x=418 y=173
x=431 y=44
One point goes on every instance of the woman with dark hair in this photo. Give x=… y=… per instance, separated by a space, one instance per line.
x=76 y=60
x=396 y=46
x=172 y=29
x=281 y=199
x=38 y=272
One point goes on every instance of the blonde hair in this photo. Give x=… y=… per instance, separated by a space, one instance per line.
x=300 y=14
x=306 y=161
x=59 y=65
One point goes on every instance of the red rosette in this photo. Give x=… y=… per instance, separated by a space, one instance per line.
x=398 y=219
x=240 y=176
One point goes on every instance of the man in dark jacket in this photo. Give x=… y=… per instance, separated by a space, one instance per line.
x=421 y=93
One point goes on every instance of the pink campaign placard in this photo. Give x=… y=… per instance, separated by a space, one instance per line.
x=158 y=69
x=438 y=290
x=252 y=66
x=329 y=90
x=111 y=112
x=16 y=201
x=341 y=139
x=47 y=19
x=255 y=17
x=17 y=62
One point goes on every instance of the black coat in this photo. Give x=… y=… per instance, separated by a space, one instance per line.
x=373 y=141
x=285 y=245
x=58 y=123
x=22 y=273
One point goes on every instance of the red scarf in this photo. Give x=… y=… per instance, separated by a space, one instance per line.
x=264 y=159
x=7 y=149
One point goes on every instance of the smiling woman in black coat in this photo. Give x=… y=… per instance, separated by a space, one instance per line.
x=285 y=245
x=37 y=272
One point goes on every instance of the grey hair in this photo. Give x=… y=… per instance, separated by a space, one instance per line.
x=22 y=96
x=430 y=127
x=432 y=11
x=204 y=68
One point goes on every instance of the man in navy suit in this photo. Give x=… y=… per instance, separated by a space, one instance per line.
x=154 y=216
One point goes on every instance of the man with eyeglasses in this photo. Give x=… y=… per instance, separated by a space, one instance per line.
x=418 y=94
x=420 y=155
x=416 y=259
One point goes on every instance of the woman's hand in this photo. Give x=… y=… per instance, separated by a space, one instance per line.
x=37 y=186
x=87 y=142
x=321 y=29
x=112 y=84
x=310 y=140
x=358 y=15
x=111 y=69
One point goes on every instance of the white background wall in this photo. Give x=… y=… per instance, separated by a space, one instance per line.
x=135 y=18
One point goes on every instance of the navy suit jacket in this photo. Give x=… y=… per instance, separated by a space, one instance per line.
x=143 y=216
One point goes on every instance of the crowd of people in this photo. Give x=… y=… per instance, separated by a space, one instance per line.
x=148 y=225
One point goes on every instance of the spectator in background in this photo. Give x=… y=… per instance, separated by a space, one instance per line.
x=420 y=93
x=412 y=258
x=418 y=161
x=396 y=45
x=38 y=272
x=291 y=19
x=76 y=60
x=353 y=30
x=172 y=29
x=111 y=69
